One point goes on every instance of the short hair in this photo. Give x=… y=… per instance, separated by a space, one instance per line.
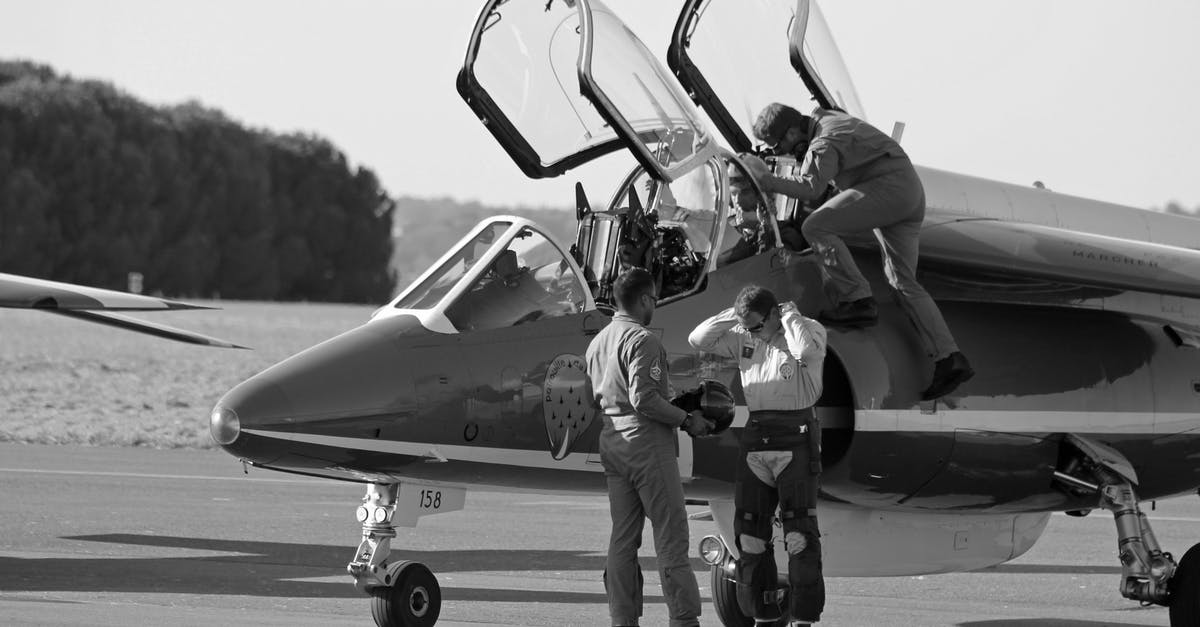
x=631 y=285
x=775 y=119
x=754 y=298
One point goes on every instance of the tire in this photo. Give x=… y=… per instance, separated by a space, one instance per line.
x=1185 y=590
x=415 y=600
x=724 y=595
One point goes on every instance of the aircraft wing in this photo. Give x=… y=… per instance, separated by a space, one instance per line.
x=85 y=303
x=1064 y=255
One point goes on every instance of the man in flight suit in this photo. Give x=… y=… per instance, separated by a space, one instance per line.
x=628 y=368
x=781 y=356
x=879 y=190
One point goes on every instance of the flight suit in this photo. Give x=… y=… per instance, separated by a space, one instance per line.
x=638 y=447
x=879 y=190
x=780 y=461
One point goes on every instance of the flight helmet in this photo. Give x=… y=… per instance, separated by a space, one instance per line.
x=713 y=399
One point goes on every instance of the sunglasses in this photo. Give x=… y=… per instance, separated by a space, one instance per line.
x=758 y=327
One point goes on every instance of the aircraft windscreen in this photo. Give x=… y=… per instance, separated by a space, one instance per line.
x=742 y=48
x=527 y=64
x=529 y=280
x=431 y=290
x=650 y=100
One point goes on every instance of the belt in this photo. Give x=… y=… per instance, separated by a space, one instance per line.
x=768 y=416
x=622 y=421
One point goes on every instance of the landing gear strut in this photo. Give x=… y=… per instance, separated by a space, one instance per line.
x=1148 y=574
x=403 y=593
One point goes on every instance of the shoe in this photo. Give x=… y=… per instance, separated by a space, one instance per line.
x=861 y=312
x=948 y=373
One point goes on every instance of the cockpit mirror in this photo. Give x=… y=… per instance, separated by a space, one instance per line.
x=582 y=207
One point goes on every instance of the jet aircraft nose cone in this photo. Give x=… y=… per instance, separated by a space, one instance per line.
x=224 y=425
x=326 y=391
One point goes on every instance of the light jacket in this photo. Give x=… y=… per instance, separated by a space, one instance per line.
x=783 y=374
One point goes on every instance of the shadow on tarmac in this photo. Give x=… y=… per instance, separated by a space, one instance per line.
x=1052 y=569
x=270 y=569
x=1045 y=622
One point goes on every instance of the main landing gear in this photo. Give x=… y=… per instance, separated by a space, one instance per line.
x=403 y=593
x=1148 y=574
x=724 y=586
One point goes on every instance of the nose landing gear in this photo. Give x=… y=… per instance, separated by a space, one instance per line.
x=403 y=593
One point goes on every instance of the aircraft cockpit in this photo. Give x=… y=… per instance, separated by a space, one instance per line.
x=505 y=272
x=679 y=230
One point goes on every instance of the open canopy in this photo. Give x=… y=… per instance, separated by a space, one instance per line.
x=561 y=83
x=737 y=56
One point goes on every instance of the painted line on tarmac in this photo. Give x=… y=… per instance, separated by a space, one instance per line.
x=138 y=475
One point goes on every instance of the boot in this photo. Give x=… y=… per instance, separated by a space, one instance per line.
x=948 y=373
x=861 y=312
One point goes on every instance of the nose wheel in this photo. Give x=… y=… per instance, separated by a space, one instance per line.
x=414 y=600
x=403 y=593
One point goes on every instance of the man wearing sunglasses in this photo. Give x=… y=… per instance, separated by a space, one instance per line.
x=630 y=377
x=878 y=190
x=781 y=356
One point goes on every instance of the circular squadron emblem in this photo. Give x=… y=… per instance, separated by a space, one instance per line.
x=567 y=403
x=787 y=370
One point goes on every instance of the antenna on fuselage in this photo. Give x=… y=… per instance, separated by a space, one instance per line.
x=897 y=131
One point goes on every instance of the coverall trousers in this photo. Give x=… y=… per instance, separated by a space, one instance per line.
x=643 y=482
x=765 y=480
x=893 y=204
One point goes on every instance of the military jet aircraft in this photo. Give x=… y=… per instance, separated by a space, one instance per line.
x=1081 y=319
x=98 y=305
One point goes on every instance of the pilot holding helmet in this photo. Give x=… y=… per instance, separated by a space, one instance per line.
x=630 y=378
x=781 y=357
x=879 y=190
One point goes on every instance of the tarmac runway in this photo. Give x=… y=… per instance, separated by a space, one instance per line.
x=110 y=536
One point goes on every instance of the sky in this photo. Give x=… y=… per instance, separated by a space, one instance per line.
x=1096 y=98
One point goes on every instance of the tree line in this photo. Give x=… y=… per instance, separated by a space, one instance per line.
x=95 y=184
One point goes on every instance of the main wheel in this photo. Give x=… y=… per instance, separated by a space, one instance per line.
x=414 y=600
x=1185 y=590
x=724 y=595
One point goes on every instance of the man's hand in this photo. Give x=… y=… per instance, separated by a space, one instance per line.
x=699 y=426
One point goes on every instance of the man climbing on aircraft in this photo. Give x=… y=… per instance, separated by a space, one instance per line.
x=630 y=377
x=879 y=190
x=781 y=356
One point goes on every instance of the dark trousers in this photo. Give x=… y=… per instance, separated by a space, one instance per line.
x=765 y=480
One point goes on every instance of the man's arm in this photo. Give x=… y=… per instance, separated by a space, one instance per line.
x=820 y=166
x=646 y=371
x=805 y=337
x=714 y=336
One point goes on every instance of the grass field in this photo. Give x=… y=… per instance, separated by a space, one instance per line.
x=68 y=381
